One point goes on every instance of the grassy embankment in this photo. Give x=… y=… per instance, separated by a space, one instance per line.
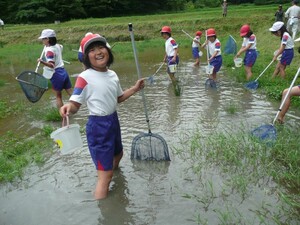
x=20 y=42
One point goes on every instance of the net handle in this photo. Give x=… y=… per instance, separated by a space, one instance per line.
x=286 y=96
x=139 y=73
x=187 y=34
x=264 y=70
x=39 y=62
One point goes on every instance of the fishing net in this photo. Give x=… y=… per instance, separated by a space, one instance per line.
x=251 y=85
x=265 y=133
x=230 y=47
x=149 y=146
x=210 y=83
x=33 y=85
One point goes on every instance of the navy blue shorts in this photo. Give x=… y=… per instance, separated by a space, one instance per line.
x=250 y=57
x=104 y=140
x=287 y=56
x=60 y=80
x=195 y=51
x=216 y=62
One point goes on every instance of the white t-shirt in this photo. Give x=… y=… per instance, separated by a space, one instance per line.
x=54 y=54
x=195 y=44
x=1 y=22
x=170 y=46
x=287 y=40
x=251 y=40
x=99 y=90
x=293 y=11
x=214 y=47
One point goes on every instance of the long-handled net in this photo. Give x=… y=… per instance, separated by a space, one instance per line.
x=33 y=84
x=268 y=132
x=230 y=47
x=254 y=84
x=147 y=146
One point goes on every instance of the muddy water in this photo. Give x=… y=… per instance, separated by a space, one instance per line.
x=60 y=192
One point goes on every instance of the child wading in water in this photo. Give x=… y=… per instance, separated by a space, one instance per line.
x=171 y=56
x=286 y=48
x=195 y=48
x=99 y=88
x=249 y=47
x=214 y=51
x=53 y=59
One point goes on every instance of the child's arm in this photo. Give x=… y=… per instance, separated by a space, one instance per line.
x=280 y=50
x=69 y=108
x=139 y=85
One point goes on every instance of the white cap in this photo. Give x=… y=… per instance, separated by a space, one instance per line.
x=47 y=33
x=88 y=33
x=276 y=26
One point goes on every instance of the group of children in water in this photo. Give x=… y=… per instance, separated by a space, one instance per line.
x=99 y=88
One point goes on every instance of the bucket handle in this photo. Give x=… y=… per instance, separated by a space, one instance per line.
x=65 y=119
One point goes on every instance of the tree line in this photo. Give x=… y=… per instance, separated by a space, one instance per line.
x=46 y=11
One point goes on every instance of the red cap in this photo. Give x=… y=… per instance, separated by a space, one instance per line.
x=211 y=32
x=166 y=29
x=199 y=33
x=91 y=38
x=244 y=30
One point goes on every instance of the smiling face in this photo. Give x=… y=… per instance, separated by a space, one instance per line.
x=98 y=57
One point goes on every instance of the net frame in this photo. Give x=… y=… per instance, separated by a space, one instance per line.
x=33 y=85
x=149 y=146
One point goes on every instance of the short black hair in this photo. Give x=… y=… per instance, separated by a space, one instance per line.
x=86 y=60
x=52 y=40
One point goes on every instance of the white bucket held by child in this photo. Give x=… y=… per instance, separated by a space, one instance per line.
x=172 y=68
x=209 y=69
x=48 y=72
x=238 y=62
x=67 y=137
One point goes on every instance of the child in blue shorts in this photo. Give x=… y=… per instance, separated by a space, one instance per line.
x=286 y=48
x=249 y=47
x=214 y=50
x=99 y=88
x=53 y=58
x=195 y=48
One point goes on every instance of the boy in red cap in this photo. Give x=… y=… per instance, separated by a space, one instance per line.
x=99 y=88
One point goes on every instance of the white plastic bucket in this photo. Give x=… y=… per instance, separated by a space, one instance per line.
x=209 y=69
x=172 y=68
x=67 y=138
x=279 y=57
x=238 y=62
x=48 y=72
x=200 y=53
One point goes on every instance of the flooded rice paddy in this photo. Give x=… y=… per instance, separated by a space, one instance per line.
x=60 y=191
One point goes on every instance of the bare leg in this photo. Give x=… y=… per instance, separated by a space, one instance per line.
x=117 y=160
x=295 y=91
x=69 y=91
x=276 y=71
x=282 y=70
x=102 y=187
x=197 y=62
x=59 y=102
x=248 y=72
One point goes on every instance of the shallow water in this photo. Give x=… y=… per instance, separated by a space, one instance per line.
x=60 y=192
